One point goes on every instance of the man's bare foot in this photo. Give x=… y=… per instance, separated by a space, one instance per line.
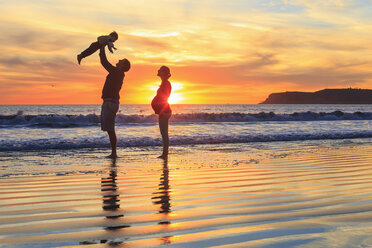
x=163 y=156
x=113 y=156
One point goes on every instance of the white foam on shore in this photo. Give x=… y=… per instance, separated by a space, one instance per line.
x=64 y=121
x=81 y=142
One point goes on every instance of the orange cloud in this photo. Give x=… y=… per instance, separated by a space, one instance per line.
x=221 y=52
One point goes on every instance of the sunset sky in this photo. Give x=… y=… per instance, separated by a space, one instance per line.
x=231 y=51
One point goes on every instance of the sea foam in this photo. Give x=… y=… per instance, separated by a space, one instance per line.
x=65 y=121
x=99 y=142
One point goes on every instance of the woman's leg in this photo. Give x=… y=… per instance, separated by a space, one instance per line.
x=163 y=125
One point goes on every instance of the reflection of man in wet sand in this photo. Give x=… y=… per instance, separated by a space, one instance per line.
x=111 y=206
x=162 y=198
x=110 y=198
x=110 y=96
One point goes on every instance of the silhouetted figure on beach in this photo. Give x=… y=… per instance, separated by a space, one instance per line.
x=110 y=96
x=161 y=107
x=102 y=41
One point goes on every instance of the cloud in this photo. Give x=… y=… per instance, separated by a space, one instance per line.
x=29 y=39
x=320 y=3
x=248 y=46
x=50 y=65
x=145 y=42
x=314 y=78
x=12 y=62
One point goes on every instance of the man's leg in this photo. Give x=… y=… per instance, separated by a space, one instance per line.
x=113 y=143
x=108 y=115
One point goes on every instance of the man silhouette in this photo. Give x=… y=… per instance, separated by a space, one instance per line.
x=110 y=96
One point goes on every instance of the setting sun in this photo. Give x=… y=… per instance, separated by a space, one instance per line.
x=176 y=96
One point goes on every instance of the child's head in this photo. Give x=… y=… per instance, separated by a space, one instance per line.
x=114 y=36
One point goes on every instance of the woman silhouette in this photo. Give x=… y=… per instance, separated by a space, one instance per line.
x=161 y=107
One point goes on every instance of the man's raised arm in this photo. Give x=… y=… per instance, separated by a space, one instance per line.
x=102 y=55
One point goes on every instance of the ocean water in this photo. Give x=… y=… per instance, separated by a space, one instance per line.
x=43 y=127
x=237 y=176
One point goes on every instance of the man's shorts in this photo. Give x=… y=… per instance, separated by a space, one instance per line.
x=108 y=115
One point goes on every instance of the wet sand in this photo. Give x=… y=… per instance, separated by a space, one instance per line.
x=309 y=197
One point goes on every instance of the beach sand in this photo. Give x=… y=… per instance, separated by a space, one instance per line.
x=302 y=194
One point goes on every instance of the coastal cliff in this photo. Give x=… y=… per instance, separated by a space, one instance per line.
x=326 y=96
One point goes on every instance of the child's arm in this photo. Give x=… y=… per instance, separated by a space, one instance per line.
x=110 y=46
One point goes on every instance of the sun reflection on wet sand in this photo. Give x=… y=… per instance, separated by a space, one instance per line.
x=315 y=197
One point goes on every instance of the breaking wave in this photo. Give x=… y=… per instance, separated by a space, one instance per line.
x=68 y=121
x=96 y=142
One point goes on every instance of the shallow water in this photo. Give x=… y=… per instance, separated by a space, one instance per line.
x=237 y=176
x=42 y=127
x=277 y=194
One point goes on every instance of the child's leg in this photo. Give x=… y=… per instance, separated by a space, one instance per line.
x=90 y=50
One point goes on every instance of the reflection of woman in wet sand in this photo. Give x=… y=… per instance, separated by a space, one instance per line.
x=162 y=198
x=161 y=107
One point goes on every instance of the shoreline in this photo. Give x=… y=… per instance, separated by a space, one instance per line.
x=91 y=160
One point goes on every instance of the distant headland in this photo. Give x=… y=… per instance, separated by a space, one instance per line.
x=326 y=96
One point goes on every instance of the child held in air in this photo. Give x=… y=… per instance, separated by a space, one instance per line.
x=101 y=41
